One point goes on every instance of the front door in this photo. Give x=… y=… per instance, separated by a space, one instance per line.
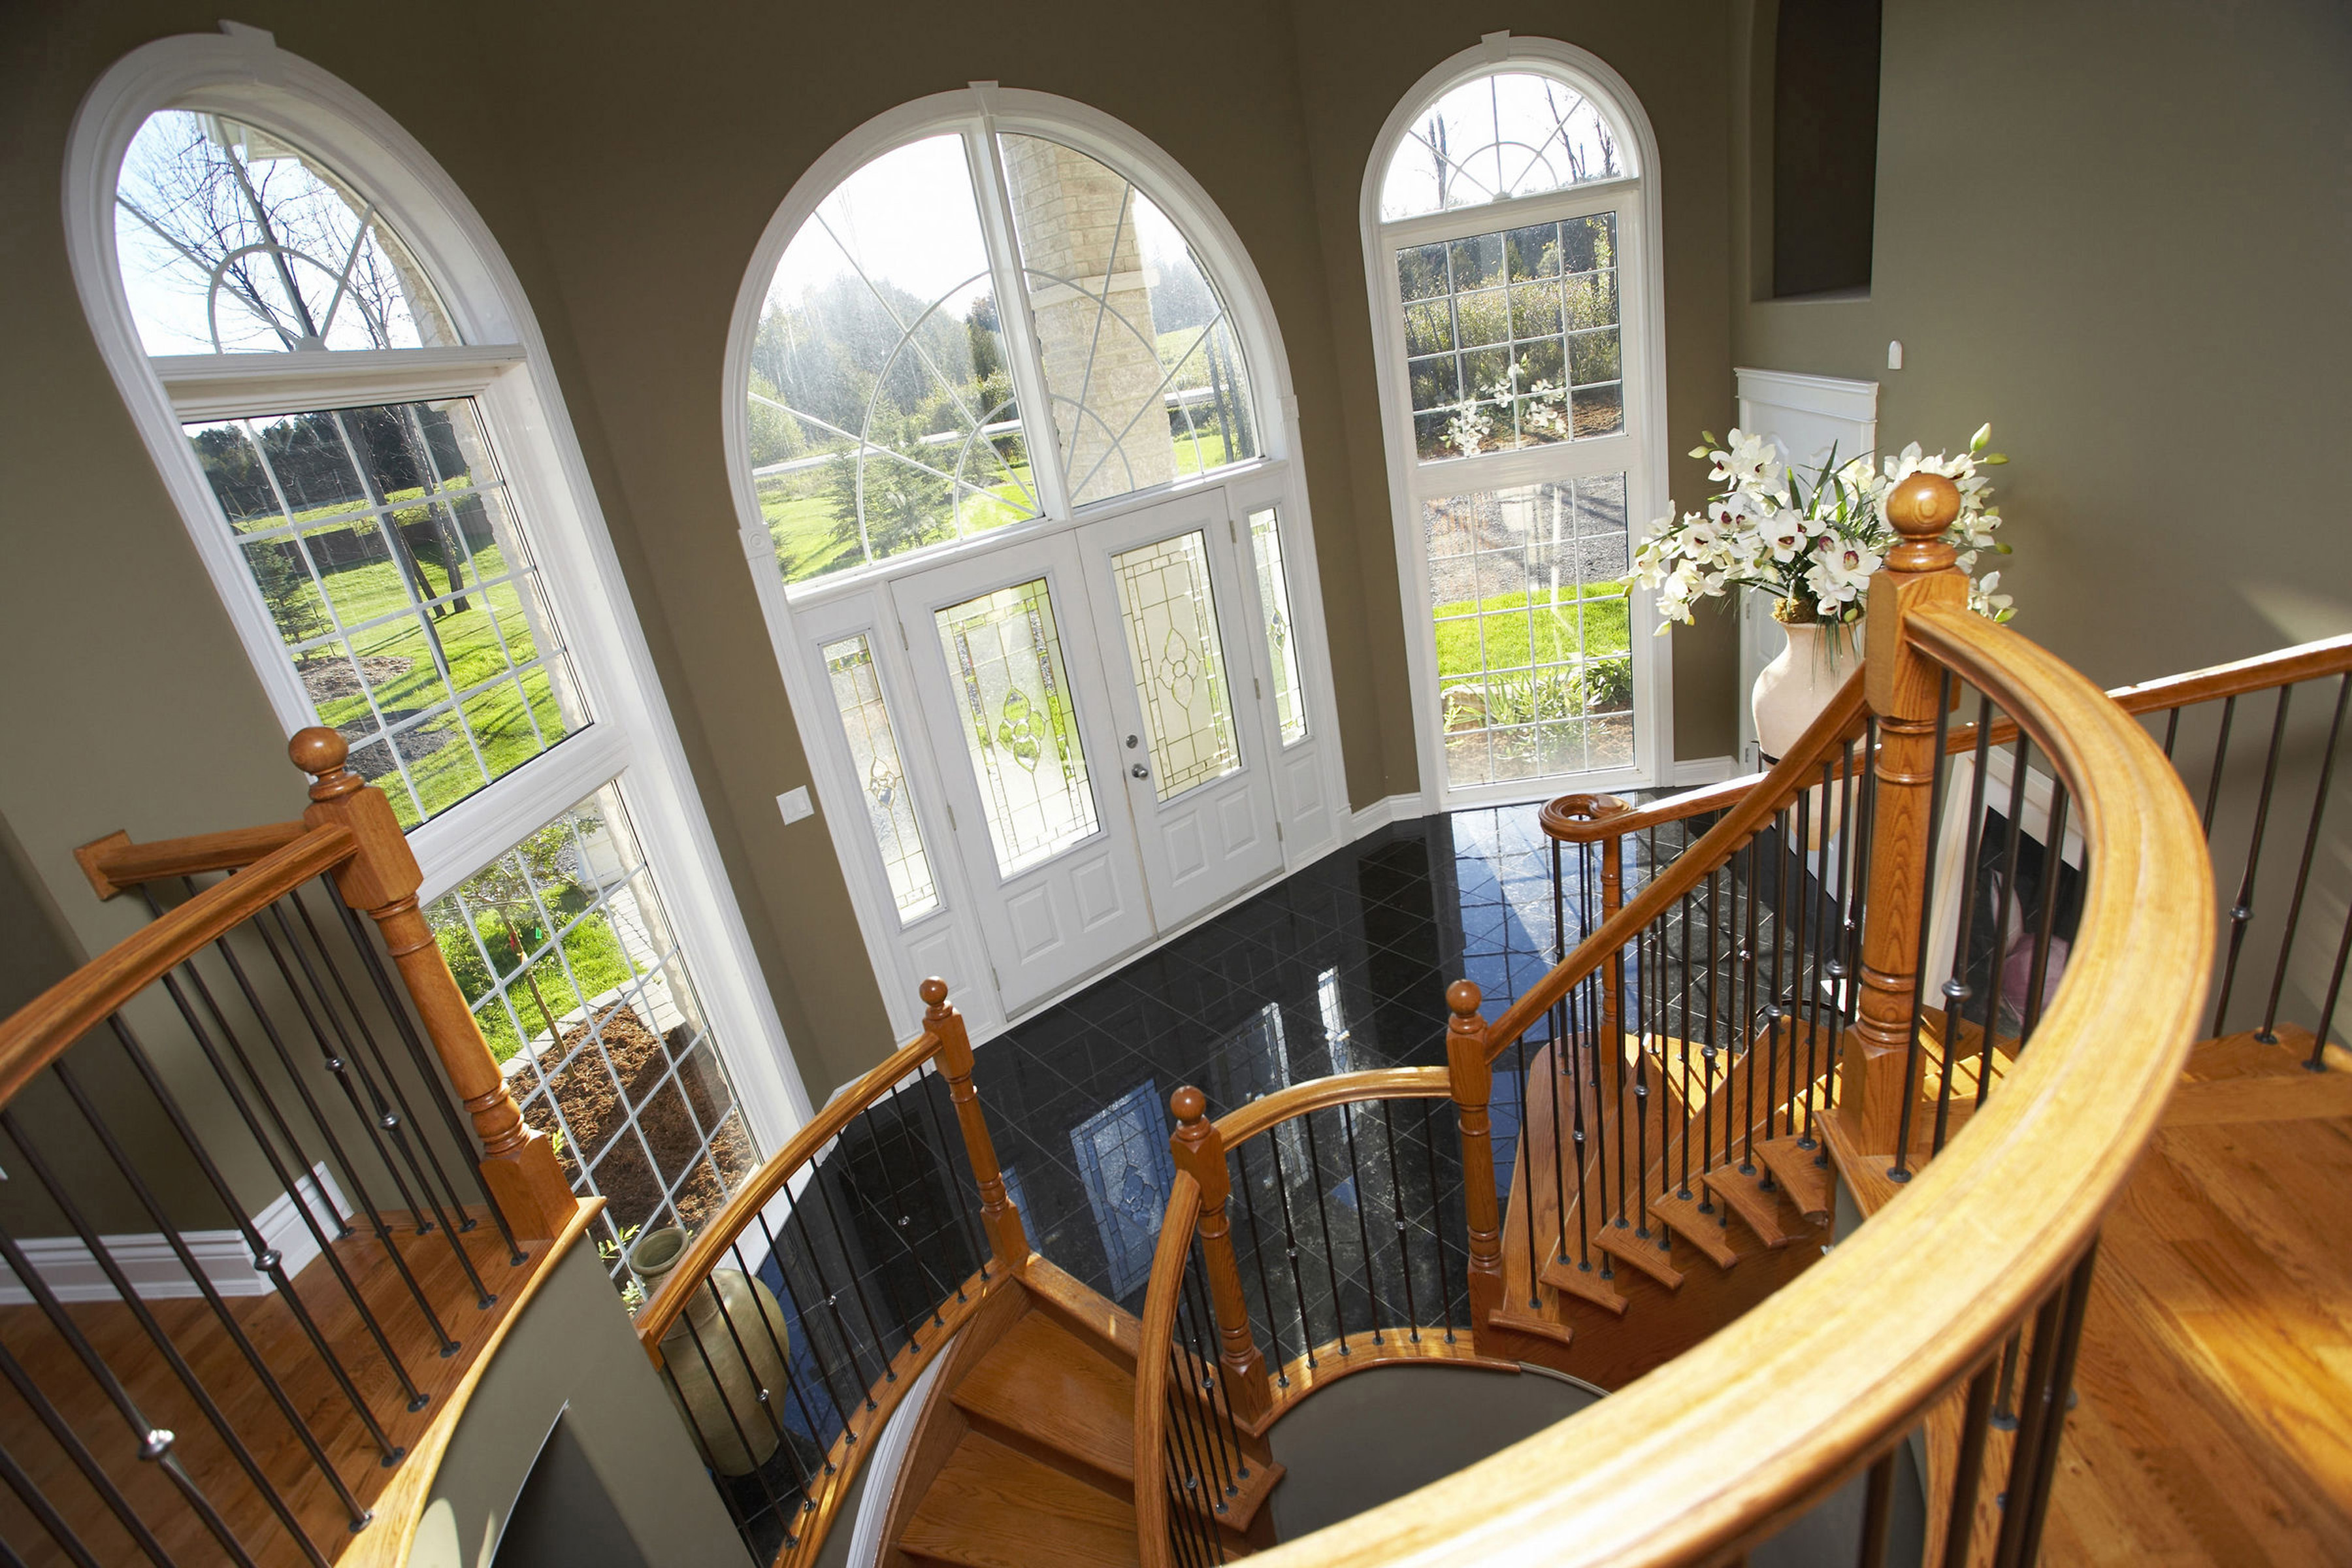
x=1015 y=704
x=1167 y=585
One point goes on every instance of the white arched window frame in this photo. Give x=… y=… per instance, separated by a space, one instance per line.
x=503 y=367
x=1640 y=451
x=806 y=618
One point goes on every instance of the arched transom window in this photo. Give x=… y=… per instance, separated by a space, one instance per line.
x=938 y=297
x=1509 y=226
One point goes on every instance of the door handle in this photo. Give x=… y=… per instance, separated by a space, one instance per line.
x=1139 y=771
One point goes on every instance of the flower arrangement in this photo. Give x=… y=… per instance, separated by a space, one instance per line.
x=1813 y=544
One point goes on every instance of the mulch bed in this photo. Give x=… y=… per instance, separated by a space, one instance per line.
x=596 y=1108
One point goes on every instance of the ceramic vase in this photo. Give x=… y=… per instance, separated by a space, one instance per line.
x=1790 y=693
x=724 y=1352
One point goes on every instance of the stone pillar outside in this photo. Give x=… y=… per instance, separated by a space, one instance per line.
x=1073 y=216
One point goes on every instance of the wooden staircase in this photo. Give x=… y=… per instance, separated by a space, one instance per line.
x=1662 y=1265
x=1024 y=1454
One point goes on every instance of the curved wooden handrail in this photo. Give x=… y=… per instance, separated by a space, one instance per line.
x=719 y=1232
x=1168 y=1260
x=1714 y=1450
x=44 y=1027
x=1262 y=1115
x=1755 y=806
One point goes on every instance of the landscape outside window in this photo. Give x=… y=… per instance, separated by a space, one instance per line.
x=883 y=410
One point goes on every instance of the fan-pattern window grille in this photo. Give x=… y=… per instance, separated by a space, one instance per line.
x=1513 y=133
x=886 y=409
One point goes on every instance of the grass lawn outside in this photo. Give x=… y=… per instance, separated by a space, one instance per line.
x=1479 y=637
x=592 y=955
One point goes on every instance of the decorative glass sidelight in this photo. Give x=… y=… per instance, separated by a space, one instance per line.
x=1019 y=726
x=1281 y=647
x=874 y=752
x=1170 y=614
x=1529 y=601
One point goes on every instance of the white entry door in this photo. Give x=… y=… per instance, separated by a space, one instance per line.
x=1175 y=619
x=1015 y=704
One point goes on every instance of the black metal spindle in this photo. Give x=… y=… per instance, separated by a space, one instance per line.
x=1789 y=1004
x=1240 y=1156
x=1912 y=1067
x=2221 y=759
x=1716 y=877
x=155 y=1444
x=856 y=1278
x=2171 y=731
x=1742 y=1046
x=2241 y=910
x=892 y=1171
x=2011 y=847
x=2037 y=984
x=1323 y=1223
x=1437 y=1219
x=1290 y=1254
x=1202 y=1331
x=2031 y=1429
x=1960 y=1528
x=815 y=1349
x=1396 y=1194
x=392 y=998
x=1523 y=1186
x=1877 y=1510
x=1199 y=1392
x=2054 y=1406
x=1849 y=858
x=759 y=1472
x=70 y=1444
x=1956 y=986
x=1809 y=1010
x=2269 y=1034
x=970 y=1227
x=860 y=1389
x=37 y=1504
x=1363 y=1227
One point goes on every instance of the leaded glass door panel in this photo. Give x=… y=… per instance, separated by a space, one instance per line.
x=1014 y=700
x=1167 y=587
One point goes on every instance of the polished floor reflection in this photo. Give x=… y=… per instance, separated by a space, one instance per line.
x=1340 y=967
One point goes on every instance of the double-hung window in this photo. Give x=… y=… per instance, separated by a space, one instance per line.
x=355 y=416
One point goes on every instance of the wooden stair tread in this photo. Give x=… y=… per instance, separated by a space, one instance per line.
x=1705 y=1230
x=1802 y=1174
x=1519 y=1317
x=1650 y=1253
x=993 y=1507
x=1050 y=1386
x=1585 y=1280
x=1757 y=1208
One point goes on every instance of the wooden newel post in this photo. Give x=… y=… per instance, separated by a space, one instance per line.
x=1473 y=1078
x=519 y=1165
x=1199 y=1153
x=1905 y=689
x=1005 y=1234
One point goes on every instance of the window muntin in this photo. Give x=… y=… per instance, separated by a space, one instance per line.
x=1530 y=601
x=1513 y=338
x=1170 y=614
x=384 y=544
x=1512 y=133
x=873 y=755
x=563 y=950
x=1005 y=651
x=882 y=410
x=1274 y=600
x=883 y=417
x=1138 y=355
x=232 y=239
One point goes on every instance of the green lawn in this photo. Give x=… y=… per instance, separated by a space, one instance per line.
x=591 y=951
x=1520 y=641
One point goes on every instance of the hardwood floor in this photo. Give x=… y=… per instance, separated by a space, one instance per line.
x=160 y=1396
x=2215 y=1416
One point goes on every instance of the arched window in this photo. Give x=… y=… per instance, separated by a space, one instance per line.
x=342 y=384
x=1510 y=231
x=1009 y=420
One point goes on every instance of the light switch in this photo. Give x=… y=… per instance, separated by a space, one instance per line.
x=1894 y=354
x=794 y=803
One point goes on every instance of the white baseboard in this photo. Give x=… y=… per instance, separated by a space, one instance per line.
x=1381 y=813
x=147 y=1260
x=1690 y=771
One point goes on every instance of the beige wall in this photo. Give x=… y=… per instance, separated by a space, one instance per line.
x=2124 y=235
x=627 y=162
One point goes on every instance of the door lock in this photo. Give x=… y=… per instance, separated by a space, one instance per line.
x=1139 y=771
x=1133 y=742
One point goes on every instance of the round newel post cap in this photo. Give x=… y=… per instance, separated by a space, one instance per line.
x=1920 y=508
x=1188 y=1103
x=934 y=992
x=1463 y=998
x=317 y=751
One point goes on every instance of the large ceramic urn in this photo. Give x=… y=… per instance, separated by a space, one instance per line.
x=726 y=1350
x=1791 y=691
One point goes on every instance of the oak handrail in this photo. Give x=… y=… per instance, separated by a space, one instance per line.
x=116 y=861
x=44 y=1027
x=1168 y=1259
x=1712 y=1450
x=1790 y=777
x=1243 y=1123
x=721 y=1232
